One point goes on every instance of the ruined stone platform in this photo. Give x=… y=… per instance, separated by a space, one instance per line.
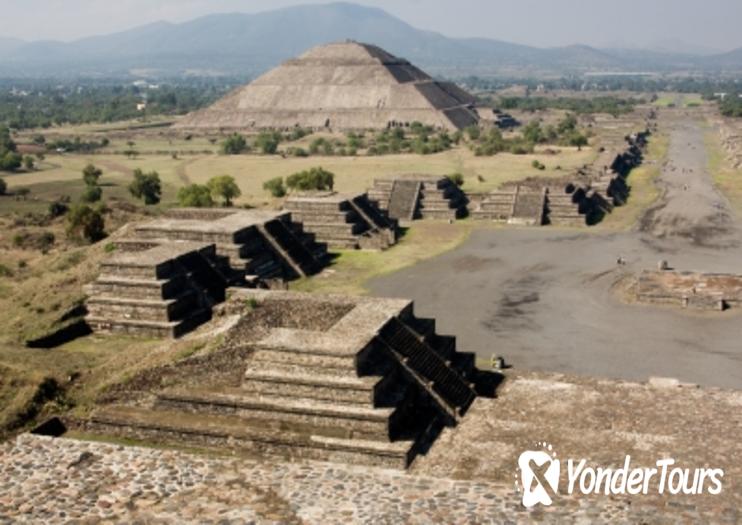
x=350 y=379
x=343 y=221
x=695 y=290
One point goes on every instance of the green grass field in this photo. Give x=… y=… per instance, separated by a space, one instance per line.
x=61 y=174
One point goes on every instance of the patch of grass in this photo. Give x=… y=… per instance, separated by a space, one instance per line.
x=644 y=191
x=354 y=268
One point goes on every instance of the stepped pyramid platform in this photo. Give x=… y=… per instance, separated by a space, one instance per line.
x=334 y=378
x=343 y=221
x=342 y=86
x=410 y=197
x=162 y=291
x=518 y=204
x=257 y=244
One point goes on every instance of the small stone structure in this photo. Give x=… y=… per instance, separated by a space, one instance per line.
x=167 y=273
x=701 y=291
x=345 y=379
x=519 y=204
x=410 y=197
x=162 y=291
x=343 y=221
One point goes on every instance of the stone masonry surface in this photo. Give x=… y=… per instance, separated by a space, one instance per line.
x=467 y=476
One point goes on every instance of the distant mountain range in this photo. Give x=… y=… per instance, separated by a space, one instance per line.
x=248 y=44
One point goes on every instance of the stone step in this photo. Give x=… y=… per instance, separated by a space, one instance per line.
x=143 y=309
x=340 y=389
x=114 y=285
x=297 y=412
x=157 y=329
x=205 y=430
x=272 y=358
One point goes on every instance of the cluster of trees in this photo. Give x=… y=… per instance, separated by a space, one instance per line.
x=41 y=104
x=731 y=106
x=266 y=142
x=633 y=83
x=222 y=187
x=565 y=133
x=420 y=139
x=612 y=105
x=312 y=179
x=72 y=145
x=10 y=159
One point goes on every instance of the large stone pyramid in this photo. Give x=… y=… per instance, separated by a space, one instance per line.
x=343 y=86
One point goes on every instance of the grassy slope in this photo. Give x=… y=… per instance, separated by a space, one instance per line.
x=352 y=269
x=725 y=177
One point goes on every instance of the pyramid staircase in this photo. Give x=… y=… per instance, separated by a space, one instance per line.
x=374 y=389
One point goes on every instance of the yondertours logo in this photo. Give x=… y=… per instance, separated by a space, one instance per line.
x=539 y=470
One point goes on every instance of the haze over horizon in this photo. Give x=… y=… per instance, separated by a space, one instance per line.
x=677 y=26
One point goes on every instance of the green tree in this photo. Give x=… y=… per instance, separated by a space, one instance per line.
x=28 y=162
x=224 y=187
x=234 y=144
x=267 y=141
x=10 y=161
x=146 y=186
x=91 y=174
x=3 y=187
x=275 y=187
x=312 y=179
x=195 y=196
x=83 y=222
x=577 y=140
x=91 y=194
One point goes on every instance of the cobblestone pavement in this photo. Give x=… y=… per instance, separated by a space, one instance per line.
x=48 y=480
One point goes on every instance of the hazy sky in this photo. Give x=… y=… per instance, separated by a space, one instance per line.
x=711 y=24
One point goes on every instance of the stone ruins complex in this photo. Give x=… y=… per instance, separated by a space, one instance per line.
x=410 y=197
x=166 y=274
x=700 y=291
x=348 y=379
x=583 y=198
x=343 y=221
x=340 y=86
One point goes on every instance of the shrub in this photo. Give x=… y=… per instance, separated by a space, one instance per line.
x=195 y=196
x=234 y=144
x=224 y=186
x=146 y=186
x=473 y=132
x=312 y=179
x=536 y=164
x=83 y=222
x=275 y=187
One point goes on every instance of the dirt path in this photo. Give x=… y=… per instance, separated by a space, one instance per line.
x=690 y=206
x=543 y=297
